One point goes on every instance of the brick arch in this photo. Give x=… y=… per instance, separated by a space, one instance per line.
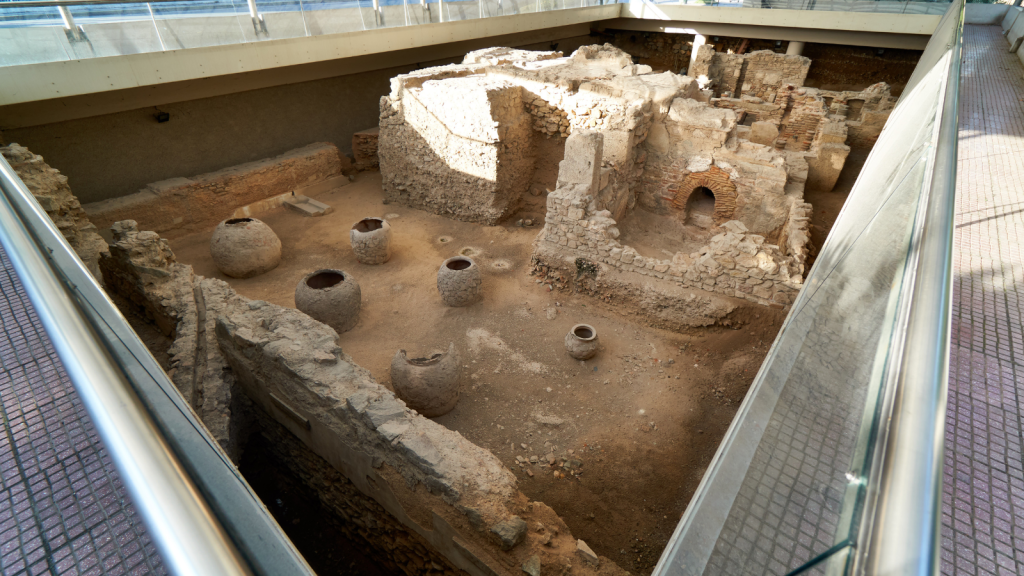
x=716 y=180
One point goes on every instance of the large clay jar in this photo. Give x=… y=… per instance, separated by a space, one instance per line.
x=331 y=297
x=371 y=240
x=429 y=385
x=458 y=281
x=245 y=247
x=581 y=341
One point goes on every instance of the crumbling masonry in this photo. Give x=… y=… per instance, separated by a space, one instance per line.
x=51 y=190
x=459 y=140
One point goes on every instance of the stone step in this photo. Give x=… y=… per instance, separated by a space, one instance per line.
x=307 y=206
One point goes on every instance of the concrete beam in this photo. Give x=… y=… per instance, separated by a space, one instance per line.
x=840 y=37
x=910 y=31
x=886 y=23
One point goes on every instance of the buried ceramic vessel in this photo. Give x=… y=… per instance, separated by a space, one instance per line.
x=459 y=281
x=371 y=240
x=428 y=385
x=245 y=247
x=330 y=296
x=581 y=342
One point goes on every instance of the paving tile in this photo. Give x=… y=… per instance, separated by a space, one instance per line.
x=63 y=509
x=983 y=497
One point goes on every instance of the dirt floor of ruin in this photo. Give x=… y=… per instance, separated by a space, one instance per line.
x=637 y=425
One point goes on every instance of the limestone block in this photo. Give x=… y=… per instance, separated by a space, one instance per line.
x=824 y=167
x=764 y=133
x=582 y=163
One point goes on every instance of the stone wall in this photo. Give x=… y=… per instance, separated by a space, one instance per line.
x=141 y=268
x=735 y=263
x=441 y=150
x=182 y=205
x=53 y=193
x=659 y=50
x=364 y=148
x=597 y=87
x=759 y=74
x=393 y=547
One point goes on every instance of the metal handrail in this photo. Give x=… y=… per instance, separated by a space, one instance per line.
x=905 y=533
x=160 y=450
x=45 y=3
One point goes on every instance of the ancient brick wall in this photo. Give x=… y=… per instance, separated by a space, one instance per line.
x=446 y=149
x=181 y=205
x=805 y=112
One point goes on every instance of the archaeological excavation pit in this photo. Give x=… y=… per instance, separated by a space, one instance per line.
x=592 y=255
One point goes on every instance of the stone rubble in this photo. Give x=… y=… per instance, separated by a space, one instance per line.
x=51 y=190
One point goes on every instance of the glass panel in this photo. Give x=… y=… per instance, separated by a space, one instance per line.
x=278 y=19
x=333 y=17
x=788 y=482
x=465 y=10
x=198 y=23
x=31 y=35
x=113 y=30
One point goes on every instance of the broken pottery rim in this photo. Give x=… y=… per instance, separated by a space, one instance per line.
x=365 y=226
x=429 y=361
x=583 y=328
x=326 y=272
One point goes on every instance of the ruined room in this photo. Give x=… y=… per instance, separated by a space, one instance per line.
x=504 y=329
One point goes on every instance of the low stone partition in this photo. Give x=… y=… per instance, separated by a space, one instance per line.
x=178 y=206
x=735 y=263
x=364 y=148
x=51 y=190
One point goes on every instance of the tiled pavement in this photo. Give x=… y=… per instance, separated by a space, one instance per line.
x=983 y=493
x=63 y=509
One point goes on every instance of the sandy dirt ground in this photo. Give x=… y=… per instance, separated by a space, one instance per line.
x=620 y=441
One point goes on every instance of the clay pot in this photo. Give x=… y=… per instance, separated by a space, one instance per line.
x=371 y=240
x=429 y=385
x=459 y=281
x=581 y=341
x=245 y=247
x=331 y=297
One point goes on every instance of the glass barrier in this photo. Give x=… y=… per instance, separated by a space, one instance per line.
x=788 y=488
x=46 y=31
x=35 y=32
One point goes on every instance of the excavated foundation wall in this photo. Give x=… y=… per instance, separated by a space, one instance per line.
x=181 y=205
x=395 y=548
